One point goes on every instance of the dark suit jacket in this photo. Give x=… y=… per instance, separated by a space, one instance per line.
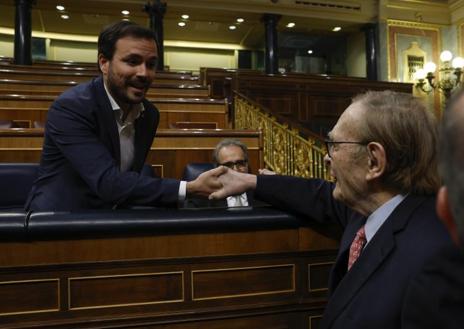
x=435 y=298
x=79 y=167
x=372 y=293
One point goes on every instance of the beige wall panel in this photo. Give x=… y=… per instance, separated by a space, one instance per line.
x=193 y=59
x=61 y=50
x=356 y=56
x=6 y=45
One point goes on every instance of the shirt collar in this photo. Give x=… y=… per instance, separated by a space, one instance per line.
x=380 y=215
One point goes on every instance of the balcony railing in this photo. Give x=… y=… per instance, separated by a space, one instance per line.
x=285 y=151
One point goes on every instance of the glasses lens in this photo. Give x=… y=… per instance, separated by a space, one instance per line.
x=241 y=163
x=232 y=164
x=228 y=164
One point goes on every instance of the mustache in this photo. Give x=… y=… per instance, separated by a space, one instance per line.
x=140 y=82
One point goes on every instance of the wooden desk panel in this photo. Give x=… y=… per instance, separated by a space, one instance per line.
x=210 y=278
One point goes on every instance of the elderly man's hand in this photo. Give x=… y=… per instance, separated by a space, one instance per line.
x=266 y=172
x=207 y=183
x=233 y=183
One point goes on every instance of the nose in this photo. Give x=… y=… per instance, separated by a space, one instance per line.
x=142 y=70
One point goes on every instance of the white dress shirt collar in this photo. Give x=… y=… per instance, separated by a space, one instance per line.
x=240 y=200
x=126 y=130
x=380 y=215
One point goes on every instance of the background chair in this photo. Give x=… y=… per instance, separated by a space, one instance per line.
x=5 y=124
x=16 y=180
x=193 y=170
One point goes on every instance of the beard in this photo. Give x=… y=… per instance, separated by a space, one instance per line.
x=119 y=87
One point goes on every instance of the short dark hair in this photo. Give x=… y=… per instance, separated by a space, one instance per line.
x=229 y=142
x=451 y=157
x=113 y=32
x=409 y=134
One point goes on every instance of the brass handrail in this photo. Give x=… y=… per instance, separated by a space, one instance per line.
x=285 y=151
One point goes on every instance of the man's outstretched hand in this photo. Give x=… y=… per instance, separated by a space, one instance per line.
x=233 y=183
x=207 y=183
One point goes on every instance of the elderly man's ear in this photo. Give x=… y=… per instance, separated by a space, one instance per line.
x=445 y=214
x=376 y=161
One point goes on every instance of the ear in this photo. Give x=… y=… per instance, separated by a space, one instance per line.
x=376 y=161
x=103 y=62
x=445 y=214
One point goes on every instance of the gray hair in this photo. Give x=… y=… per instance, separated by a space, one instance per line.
x=229 y=142
x=409 y=134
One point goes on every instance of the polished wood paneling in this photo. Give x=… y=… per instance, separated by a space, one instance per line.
x=29 y=296
x=218 y=283
x=125 y=290
x=149 y=247
x=317 y=276
x=240 y=283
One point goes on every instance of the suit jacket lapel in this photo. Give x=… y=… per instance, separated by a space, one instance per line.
x=375 y=253
x=107 y=122
x=341 y=262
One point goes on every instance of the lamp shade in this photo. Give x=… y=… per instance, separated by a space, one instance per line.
x=457 y=63
x=420 y=74
x=430 y=67
x=446 y=56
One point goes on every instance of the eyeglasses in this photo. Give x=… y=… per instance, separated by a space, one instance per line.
x=232 y=164
x=329 y=145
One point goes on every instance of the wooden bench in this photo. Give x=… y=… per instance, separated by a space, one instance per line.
x=83 y=67
x=172 y=110
x=62 y=75
x=171 y=151
x=54 y=88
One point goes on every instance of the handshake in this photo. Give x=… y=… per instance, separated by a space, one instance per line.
x=221 y=182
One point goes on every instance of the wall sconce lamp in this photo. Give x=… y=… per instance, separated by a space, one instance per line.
x=449 y=73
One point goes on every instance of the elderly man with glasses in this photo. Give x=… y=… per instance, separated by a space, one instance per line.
x=233 y=154
x=382 y=156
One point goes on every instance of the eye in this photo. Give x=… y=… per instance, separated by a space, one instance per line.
x=132 y=61
x=152 y=64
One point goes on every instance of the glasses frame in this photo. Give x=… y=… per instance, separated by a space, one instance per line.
x=235 y=164
x=329 y=145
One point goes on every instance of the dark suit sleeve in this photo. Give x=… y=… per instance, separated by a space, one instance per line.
x=77 y=134
x=310 y=198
